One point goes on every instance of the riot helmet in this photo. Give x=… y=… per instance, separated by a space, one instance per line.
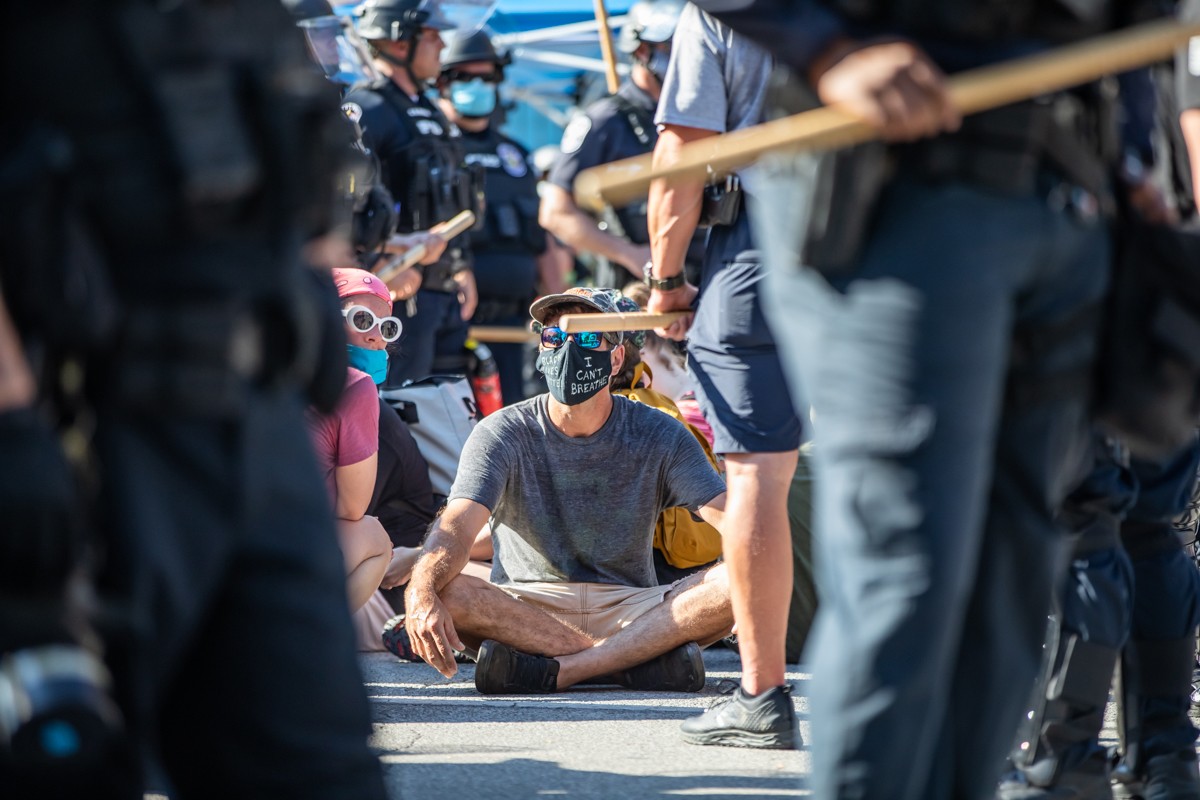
x=308 y=9
x=399 y=20
x=650 y=21
x=339 y=50
x=476 y=46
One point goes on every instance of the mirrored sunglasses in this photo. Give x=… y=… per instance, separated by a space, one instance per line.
x=363 y=320
x=555 y=338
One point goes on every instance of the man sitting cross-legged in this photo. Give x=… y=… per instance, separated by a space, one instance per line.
x=573 y=482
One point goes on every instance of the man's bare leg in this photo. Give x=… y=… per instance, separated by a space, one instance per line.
x=483 y=611
x=698 y=610
x=757 y=548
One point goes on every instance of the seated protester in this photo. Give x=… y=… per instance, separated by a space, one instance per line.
x=347 y=440
x=573 y=482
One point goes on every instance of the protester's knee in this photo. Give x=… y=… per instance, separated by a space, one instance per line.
x=463 y=593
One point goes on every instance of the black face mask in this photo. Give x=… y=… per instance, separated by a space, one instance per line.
x=574 y=374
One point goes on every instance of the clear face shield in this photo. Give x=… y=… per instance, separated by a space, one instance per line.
x=467 y=16
x=339 y=50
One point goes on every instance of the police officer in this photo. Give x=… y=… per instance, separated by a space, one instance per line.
x=1132 y=595
x=941 y=456
x=511 y=248
x=612 y=128
x=423 y=167
x=175 y=300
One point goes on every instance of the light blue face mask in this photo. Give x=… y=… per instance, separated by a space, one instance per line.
x=473 y=98
x=372 y=362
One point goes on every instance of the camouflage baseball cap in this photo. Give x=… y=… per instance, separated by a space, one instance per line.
x=607 y=301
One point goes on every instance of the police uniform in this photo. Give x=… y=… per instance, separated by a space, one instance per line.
x=421 y=158
x=506 y=247
x=612 y=128
x=942 y=452
x=220 y=557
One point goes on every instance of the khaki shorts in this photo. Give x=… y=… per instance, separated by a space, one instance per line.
x=597 y=609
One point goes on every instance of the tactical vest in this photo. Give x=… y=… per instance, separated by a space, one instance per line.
x=641 y=122
x=985 y=20
x=427 y=176
x=506 y=245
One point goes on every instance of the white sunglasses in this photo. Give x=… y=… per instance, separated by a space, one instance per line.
x=363 y=320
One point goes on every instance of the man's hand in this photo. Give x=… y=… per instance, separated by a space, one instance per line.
x=893 y=86
x=406 y=284
x=431 y=631
x=678 y=299
x=400 y=567
x=435 y=245
x=467 y=293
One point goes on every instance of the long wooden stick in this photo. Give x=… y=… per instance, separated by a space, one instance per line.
x=606 y=48
x=830 y=128
x=500 y=334
x=452 y=227
x=631 y=321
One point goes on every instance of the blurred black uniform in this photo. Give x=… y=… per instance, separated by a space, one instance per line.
x=195 y=147
x=612 y=128
x=507 y=247
x=422 y=162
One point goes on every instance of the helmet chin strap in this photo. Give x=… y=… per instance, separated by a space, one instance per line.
x=404 y=63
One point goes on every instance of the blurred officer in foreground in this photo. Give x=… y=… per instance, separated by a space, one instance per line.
x=943 y=451
x=612 y=128
x=513 y=254
x=171 y=338
x=422 y=164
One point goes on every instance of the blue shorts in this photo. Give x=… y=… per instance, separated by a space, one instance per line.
x=732 y=358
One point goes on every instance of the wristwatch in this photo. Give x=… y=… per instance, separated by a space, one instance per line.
x=661 y=284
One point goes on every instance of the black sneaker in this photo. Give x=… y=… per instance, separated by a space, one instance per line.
x=1173 y=776
x=767 y=721
x=396 y=641
x=677 y=670
x=503 y=670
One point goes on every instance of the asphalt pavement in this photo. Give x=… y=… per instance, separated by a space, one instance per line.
x=439 y=738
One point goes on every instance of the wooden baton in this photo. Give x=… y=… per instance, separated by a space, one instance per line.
x=452 y=227
x=606 y=47
x=831 y=128
x=608 y=322
x=501 y=334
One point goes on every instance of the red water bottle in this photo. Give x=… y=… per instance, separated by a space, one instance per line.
x=484 y=377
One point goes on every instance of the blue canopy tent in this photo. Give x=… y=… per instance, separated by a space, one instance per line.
x=556 y=57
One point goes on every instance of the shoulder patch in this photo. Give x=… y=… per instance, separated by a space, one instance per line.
x=512 y=160
x=1193 y=55
x=353 y=112
x=575 y=132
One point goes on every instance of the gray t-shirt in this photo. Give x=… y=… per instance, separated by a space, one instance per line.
x=717 y=79
x=581 y=509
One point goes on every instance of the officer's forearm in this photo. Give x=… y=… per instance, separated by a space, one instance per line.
x=553 y=266
x=674 y=206
x=17 y=388
x=1189 y=123
x=559 y=215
